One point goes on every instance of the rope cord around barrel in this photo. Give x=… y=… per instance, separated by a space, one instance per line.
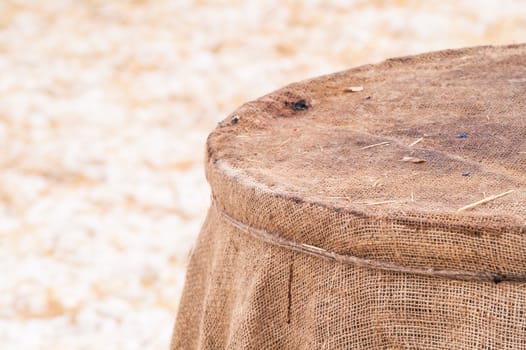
x=357 y=261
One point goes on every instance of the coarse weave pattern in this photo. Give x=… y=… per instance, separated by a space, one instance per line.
x=382 y=207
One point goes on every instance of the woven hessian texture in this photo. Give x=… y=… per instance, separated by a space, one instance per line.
x=383 y=207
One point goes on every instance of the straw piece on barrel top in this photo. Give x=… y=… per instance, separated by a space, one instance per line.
x=485 y=200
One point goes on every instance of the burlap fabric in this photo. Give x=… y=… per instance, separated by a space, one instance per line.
x=383 y=207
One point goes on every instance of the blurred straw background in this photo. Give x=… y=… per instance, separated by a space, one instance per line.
x=104 y=111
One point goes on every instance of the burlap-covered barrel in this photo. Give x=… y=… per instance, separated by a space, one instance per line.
x=383 y=207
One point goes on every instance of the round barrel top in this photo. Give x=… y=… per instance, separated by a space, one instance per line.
x=437 y=137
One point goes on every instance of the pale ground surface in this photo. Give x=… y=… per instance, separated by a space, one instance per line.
x=104 y=111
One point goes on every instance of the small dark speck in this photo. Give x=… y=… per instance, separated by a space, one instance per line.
x=300 y=105
x=462 y=135
x=297 y=200
x=368 y=98
x=234 y=119
x=465 y=173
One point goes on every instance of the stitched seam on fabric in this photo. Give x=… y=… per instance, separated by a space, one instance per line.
x=274 y=239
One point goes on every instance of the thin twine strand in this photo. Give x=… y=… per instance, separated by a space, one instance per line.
x=277 y=240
